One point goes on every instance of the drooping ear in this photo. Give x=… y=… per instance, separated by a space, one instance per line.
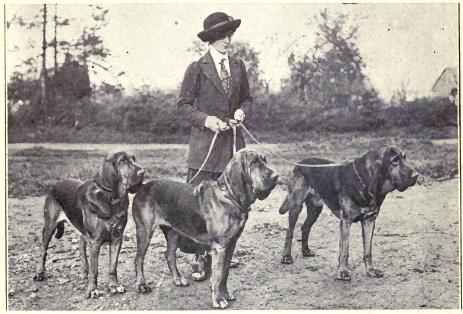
x=238 y=175
x=110 y=173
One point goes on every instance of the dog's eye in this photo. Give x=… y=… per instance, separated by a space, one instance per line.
x=395 y=159
x=254 y=160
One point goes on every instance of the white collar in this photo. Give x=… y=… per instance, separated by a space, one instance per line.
x=216 y=55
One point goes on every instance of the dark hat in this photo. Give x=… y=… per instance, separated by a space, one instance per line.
x=217 y=25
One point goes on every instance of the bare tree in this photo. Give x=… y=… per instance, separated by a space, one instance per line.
x=43 y=72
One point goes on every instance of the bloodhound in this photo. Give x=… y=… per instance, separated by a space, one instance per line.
x=98 y=210
x=212 y=215
x=354 y=192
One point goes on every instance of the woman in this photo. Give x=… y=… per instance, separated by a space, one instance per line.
x=214 y=95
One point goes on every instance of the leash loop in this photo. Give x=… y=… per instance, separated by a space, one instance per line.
x=234 y=138
x=211 y=147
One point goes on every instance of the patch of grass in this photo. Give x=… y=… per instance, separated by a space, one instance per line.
x=32 y=171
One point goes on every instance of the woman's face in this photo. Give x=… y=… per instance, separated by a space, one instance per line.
x=222 y=45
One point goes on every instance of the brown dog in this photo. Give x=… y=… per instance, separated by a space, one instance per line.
x=354 y=192
x=212 y=215
x=98 y=210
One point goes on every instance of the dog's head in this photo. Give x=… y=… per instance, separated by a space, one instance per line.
x=250 y=177
x=397 y=169
x=122 y=173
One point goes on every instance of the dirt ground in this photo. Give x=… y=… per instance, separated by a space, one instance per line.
x=416 y=244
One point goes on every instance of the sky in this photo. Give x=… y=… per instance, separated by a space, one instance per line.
x=403 y=45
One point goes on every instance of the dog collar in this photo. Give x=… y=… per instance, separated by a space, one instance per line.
x=102 y=186
x=366 y=195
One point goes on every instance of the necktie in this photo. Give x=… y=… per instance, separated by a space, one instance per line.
x=225 y=76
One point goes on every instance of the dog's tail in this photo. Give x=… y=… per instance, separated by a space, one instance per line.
x=285 y=206
x=59 y=230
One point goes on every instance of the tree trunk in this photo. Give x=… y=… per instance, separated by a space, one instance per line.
x=55 y=42
x=52 y=87
x=43 y=73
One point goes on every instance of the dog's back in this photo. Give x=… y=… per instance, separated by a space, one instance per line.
x=171 y=204
x=321 y=180
x=65 y=192
x=172 y=200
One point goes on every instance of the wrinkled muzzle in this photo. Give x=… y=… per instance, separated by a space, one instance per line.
x=408 y=181
x=136 y=179
x=269 y=183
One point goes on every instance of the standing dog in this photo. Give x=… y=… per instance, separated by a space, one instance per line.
x=98 y=210
x=212 y=215
x=354 y=192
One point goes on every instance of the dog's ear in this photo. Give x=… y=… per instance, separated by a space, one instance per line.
x=109 y=172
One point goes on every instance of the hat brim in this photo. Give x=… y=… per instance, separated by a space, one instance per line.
x=215 y=32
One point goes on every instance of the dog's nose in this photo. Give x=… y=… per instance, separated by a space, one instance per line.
x=416 y=178
x=275 y=177
x=419 y=179
x=282 y=181
x=141 y=172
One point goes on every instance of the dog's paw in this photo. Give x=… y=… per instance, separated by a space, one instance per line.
x=343 y=275
x=40 y=276
x=219 y=303
x=93 y=293
x=181 y=282
x=229 y=296
x=287 y=259
x=199 y=276
x=306 y=252
x=116 y=288
x=375 y=273
x=143 y=288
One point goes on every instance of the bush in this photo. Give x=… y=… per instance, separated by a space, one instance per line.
x=153 y=116
x=424 y=112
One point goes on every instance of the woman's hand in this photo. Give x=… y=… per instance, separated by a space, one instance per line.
x=239 y=115
x=215 y=124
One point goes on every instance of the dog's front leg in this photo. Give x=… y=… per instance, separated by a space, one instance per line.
x=113 y=284
x=83 y=257
x=368 y=228
x=228 y=256
x=94 y=248
x=218 y=255
x=343 y=272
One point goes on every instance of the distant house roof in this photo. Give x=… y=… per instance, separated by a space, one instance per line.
x=447 y=80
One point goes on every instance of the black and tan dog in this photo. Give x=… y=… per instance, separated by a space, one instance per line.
x=98 y=210
x=212 y=215
x=354 y=192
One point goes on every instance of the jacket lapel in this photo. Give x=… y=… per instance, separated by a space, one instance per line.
x=208 y=67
